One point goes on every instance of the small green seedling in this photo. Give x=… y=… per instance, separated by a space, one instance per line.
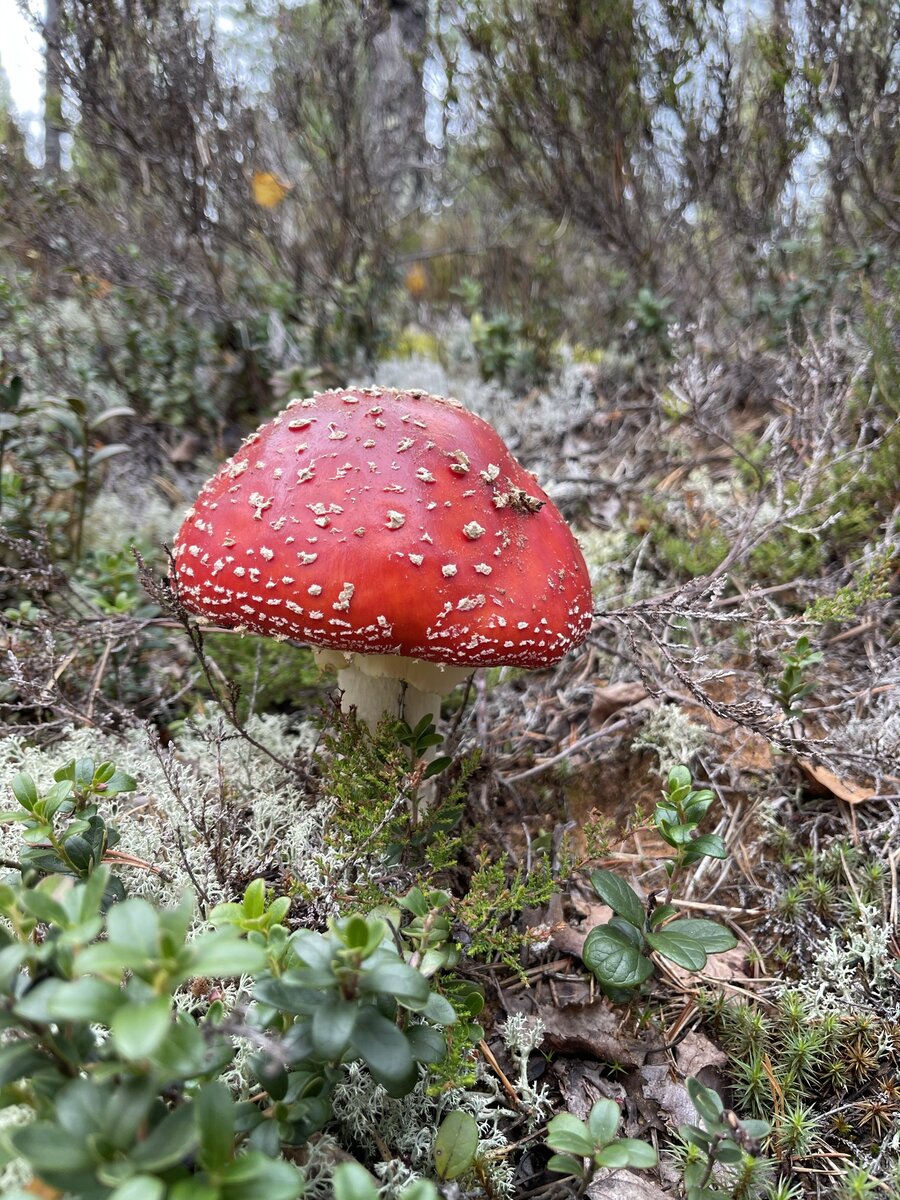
x=583 y=1148
x=617 y=952
x=791 y=688
x=724 y=1140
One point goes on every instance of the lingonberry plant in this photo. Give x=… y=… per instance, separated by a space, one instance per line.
x=584 y=1147
x=62 y=829
x=117 y=1036
x=618 y=953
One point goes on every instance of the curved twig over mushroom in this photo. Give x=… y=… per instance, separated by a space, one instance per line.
x=395 y=532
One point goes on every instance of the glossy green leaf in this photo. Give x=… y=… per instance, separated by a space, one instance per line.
x=254 y=1176
x=427 y=1044
x=707 y=1102
x=628 y=931
x=139 y=1187
x=640 y=1154
x=565 y=1164
x=614 y=959
x=134 y=924
x=678 y=783
x=729 y=1152
x=20 y=1059
x=193 y=1189
x=183 y=1052
x=312 y=948
x=662 y=913
x=756 y=1129
x=49 y=1148
x=332 y=1025
x=255 y=899
x=455 y=1145
x=396 y=979
x=25 y=790
x=568 y=1135
x=137 y=1029
x=169 y=1142
x=440 y=1011
x=695 y=1135
x=621 y=898
x=420 y=1189
x=224 y=953
x=386 y=1051
x=437 y=766
x=680 y=948
x=713 y=937
x=603 y=1121
x=708 y=845
x=215 y=1114
x=38 y=903
x=33 y=1005
x=353 y=1182
x=86 y=999
x=614 y=1155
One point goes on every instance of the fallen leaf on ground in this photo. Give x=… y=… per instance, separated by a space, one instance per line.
x=851 y=793
x=590 y=1028
x=568 y=940
x=612 y=697
x=695 y=1052
x=268 y=189
x=625 y=1185
x=727 y=967
x=582 y=1085
x=672 y=1098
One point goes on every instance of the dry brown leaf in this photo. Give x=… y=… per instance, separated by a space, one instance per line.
x=581 y=1084
x=727 y=967
x=612 y=697
x=851 y=793
x=592 y=1029
x=625 y=1185
x=695 y=1052
x=568 y=940
x=37 y=1187
x=671 y=1097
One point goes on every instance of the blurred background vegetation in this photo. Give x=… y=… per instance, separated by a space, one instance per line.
x=237 y=200
x=234 y=202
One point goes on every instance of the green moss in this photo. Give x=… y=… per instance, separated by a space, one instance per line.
x=689 y=556
x=788 y=555
x=270 y=674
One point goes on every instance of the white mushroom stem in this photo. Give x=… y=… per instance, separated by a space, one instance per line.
x=389 y=685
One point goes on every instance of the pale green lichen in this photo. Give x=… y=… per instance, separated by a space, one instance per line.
x=211 y=800
x=672 y=736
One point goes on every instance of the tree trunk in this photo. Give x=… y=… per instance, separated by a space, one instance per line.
x=53 y=122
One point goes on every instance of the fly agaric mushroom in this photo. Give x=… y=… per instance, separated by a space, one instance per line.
x=394 y=532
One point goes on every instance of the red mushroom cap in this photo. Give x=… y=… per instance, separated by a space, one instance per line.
x=381 y=521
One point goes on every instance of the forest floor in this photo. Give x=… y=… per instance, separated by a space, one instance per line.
x=710 y=504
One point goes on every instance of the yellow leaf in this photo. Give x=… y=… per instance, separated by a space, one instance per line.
x=37 y=1187
x=416 y=281
x=268 y=189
